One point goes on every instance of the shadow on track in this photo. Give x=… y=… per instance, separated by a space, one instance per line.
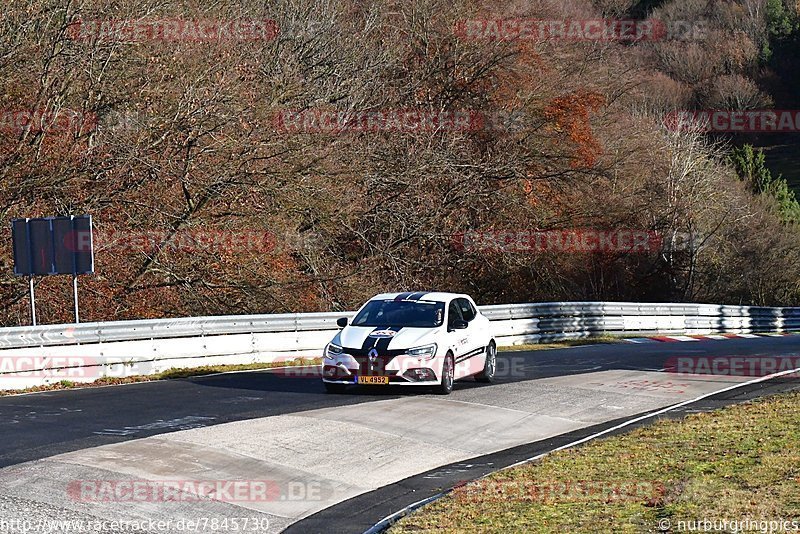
x=518 y=366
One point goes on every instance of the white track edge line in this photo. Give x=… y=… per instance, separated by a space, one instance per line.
x=387 y=521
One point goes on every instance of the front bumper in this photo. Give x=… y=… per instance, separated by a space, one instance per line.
x=401 y=369
x=391 y=383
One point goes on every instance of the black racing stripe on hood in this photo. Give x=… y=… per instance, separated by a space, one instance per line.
x=370 y=342
x=383 y=343
x=418 y=295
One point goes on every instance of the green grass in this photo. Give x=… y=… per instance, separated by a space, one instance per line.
x=169 y=374
x=741 y=462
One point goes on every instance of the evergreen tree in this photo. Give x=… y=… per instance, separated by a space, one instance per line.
x=751 y=167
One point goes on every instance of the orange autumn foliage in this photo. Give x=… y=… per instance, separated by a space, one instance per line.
x=570 y=113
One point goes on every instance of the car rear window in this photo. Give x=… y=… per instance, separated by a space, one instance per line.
x=419 y=314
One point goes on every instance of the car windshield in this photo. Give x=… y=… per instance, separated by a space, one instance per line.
x=400 y=313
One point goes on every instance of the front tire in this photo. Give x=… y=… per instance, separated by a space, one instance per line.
x=448 y=376
x=334 y=388
x=487 y=375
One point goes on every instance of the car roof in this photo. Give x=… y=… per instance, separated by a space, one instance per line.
x=436 y=296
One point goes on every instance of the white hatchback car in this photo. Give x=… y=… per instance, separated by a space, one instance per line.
x=411 y=339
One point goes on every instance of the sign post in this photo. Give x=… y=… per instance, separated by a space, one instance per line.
x=53 y=245
x=75 y=294
x=33 y=301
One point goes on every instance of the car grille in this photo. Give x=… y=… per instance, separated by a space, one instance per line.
x=379 y=366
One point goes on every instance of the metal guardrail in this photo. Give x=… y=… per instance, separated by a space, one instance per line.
x=41 y=355
x=104 y=332
x=512 y=323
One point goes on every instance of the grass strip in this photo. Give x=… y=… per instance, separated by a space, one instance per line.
x=740 y=463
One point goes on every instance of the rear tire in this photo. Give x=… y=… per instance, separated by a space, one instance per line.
x=448 y=376
x=487 y=375
x=334 y=388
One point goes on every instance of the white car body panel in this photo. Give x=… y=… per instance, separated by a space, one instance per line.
x=387 y=345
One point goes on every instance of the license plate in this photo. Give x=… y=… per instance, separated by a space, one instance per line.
x=373 y=380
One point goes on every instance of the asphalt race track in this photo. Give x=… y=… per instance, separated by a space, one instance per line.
x=334 y=463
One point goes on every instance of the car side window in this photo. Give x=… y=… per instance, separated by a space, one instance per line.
x=467 y=310
x=453 y=313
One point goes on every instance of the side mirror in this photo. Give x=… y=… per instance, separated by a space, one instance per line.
x=458 y=324
x=341 y=322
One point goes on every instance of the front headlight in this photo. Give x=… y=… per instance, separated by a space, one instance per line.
x=332 y=351
x=425 y=352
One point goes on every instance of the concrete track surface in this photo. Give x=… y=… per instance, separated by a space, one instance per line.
x=62 y=451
